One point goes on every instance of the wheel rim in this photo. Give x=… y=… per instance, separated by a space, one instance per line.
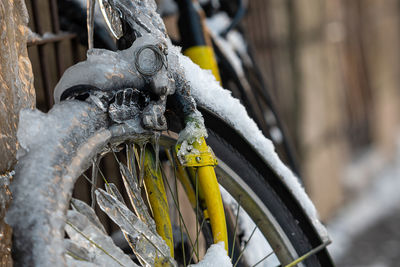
x=241 y=193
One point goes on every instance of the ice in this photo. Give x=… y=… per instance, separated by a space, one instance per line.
x=94 y=182
x=208 y=93
x=71 y=262
x=133 y=191
x=86 y=210
x=100 y=246
x=113 y=190
x=194 y=128
x=156 y=146
x=76 y=251
x=42 y=174
x=142 y=150
x=133 y=226
x=216 y=256
x=142 y=249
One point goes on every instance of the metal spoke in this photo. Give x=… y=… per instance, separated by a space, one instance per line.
x=179 y=212
x=235 y=229
x=197 y=207
x=263 y=259
x=197 y=236
x=180 y=223
x=102 y=174
x=245 y=246
x=309 y=254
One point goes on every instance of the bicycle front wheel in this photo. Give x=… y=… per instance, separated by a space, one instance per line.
x=78 y=134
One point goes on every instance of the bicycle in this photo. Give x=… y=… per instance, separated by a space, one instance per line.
x=109 y=123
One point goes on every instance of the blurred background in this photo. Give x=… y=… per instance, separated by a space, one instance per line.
x=332 y=67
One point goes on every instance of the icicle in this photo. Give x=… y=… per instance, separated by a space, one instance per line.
x=142 y=147
x=156 y=146
x=133 y=191
x=131 y=225
x=90 y=21
x=77 y=251
x=94 y=183
x=86 y=210
x=130 y=159
x=102 y=249
x=113 y=190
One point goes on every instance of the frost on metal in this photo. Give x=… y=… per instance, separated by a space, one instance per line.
x=38 y=207
x=134 y=193
x=87 y=211
x=121 y=82
x=131 y=225
x=92 y=244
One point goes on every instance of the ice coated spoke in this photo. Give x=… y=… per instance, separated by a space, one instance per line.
x=76 y=251
x=130 y=159
x=93 y=187
x=87 y=211
x=263 y=259
x=235 y=229
x=93 y=243
x=142 y=156
x=245 y=246
x=157 y=147
x=131 y=224
x=135 y=197
x=76 y=257
x=113 y=190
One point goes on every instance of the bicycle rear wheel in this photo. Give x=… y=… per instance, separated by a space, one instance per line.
x=78 y=132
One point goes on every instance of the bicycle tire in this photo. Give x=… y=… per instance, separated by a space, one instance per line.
x=59 y=159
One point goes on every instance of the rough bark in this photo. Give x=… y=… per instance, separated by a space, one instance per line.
x=16 y=92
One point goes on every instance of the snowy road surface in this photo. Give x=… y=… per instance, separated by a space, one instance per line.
x=367 y=232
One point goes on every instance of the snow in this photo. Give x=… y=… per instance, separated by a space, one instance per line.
x=208 y=93
x=216 y=256
x=379 y=200
x=257 y=247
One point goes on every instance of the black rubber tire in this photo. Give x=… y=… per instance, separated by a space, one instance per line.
x=238 y=163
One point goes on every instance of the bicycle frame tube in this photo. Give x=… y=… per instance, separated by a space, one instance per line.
x=195 y=38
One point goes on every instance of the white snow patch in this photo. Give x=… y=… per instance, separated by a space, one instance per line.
x=233 y=39
x=207 y=92
x=216 y=256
